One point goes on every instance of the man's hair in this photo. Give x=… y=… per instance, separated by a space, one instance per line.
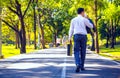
x=80 y=10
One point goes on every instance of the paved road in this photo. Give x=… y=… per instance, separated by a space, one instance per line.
x=53 y=63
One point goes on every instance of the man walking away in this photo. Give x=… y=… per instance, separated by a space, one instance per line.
x=78 y=28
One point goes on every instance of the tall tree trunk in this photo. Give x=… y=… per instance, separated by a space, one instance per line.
x=17 y=38
x=96 y=33
x=55 y=39
x=115 y=27
x=35 y=47
x=42 y=38
x=107 y=41
x=23 y=41
x=18 y=42
x=28 y=38
x=38 y=44
x=112 y=34
x=22 y=33
x=20 y=36
x=42 y=32
x=1 y=56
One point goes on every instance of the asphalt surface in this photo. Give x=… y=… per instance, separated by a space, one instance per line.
x=53 y=63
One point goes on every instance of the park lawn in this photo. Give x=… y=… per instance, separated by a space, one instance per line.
x=111 y=53
x=10 y=50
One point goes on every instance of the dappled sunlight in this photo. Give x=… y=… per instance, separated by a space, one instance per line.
x=25 y=65
x=111 y=53
x=89 y=75
x=10 y=51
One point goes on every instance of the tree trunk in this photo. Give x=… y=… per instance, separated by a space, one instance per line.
x=28 y=38
x=17 y=39
x=1 y=56
x=35 y=47
x=107 y=41
x=18 y=42
x=115 y=34
x=96 y=33
x=42 y=33
x=20 y=36
x=112 y=42
x=23 y=33
x=112 y=35
x=42 y=37
x=55 y=39
x=38 y=44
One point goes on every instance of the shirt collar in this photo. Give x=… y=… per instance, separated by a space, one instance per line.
x=80 y=15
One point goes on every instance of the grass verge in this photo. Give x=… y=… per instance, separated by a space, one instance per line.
x=111 y=53
x=10 y=50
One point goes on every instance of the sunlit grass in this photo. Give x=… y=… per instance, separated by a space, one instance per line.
x=112 y=53
x=10 y=50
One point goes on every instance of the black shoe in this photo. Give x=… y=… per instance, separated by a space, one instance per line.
x=77 y=69
x=82 y=69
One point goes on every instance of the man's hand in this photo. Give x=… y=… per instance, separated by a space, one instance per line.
x=70 y=41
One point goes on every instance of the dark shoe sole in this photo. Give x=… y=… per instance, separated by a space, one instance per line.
x=82 y=69
x=77 y=70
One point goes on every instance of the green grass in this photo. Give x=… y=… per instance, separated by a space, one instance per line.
x=10 y=50
x=111 y=53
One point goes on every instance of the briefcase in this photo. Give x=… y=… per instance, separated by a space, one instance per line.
x=69 y=49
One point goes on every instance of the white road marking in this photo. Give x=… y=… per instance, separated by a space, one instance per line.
x=63 y=74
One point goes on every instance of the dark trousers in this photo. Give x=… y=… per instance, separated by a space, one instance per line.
x=80 y=49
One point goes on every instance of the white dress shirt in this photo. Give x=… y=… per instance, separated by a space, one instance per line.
x=78 y=26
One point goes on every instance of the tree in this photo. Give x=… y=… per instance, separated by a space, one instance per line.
x=112 y=15
x=16 y=8
x=1 y=56
x=15 y=23
x=59 y=18
x=1 y=7
x=41 y=27
x=110 y=24
x=35 y=19
x=42 y=9
x=56 y=24
x=105 y=31
x=17 y=37
x=96 y=33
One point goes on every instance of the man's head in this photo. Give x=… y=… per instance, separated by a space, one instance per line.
x=81 y=11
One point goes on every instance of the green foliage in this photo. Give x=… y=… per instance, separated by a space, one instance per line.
x=103 y=30
x=111 y=12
